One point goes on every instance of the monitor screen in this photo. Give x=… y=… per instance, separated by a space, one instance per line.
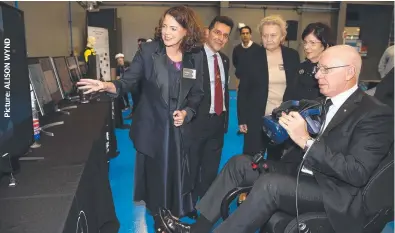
x=74 y=69
x=74 y=74
x=83 y=69
x=63 y=74
x=16 y=125
x=43 y=95
x=50 y=79
x=71 y=61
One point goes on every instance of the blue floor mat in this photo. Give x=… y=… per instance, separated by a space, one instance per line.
x=132 y=216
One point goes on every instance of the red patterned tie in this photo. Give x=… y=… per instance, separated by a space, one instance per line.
x=218 y=96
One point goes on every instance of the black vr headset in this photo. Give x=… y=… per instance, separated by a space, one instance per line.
x=310 y=110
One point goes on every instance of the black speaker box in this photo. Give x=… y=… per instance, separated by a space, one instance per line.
x=292 y=30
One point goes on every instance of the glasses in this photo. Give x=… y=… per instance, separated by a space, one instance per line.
x=220 y=34
x=310 y=43
x=325 y=70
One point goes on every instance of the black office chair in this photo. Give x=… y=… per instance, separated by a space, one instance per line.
x=378 y=199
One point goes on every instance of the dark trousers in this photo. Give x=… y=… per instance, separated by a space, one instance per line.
x=272 y=191
x=205 y=151
x=256 y=141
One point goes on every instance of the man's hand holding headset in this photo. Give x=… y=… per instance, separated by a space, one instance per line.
x=296 y=128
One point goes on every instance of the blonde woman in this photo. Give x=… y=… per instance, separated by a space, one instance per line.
x=263 y=81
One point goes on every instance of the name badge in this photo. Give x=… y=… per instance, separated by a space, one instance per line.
x=189 y=73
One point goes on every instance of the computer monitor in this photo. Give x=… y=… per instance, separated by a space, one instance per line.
x=57 y=79
x=16 y=124
x=83 y=68
x=50 y=79
x=64 y=75
x=74 y=69
x=40 y=87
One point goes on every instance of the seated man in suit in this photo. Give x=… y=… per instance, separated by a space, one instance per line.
x=356 y=136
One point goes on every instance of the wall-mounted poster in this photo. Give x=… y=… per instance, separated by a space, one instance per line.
x=102 y=48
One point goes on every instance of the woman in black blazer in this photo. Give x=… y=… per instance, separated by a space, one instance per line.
x=263 y=80
x=171 y=71
x=316 y=37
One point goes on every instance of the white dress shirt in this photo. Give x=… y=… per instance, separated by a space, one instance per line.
x=249 y=44
x=210 y=63
x=337 y=102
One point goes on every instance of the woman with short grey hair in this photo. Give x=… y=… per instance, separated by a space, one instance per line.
x=263 y=81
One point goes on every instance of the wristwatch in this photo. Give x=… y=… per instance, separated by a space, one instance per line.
x=309 y=142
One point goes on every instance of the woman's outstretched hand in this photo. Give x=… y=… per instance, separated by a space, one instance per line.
x=90 y=85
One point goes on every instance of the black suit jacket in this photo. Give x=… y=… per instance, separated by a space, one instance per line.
x=385 y=89
x=343 y=159
x=254 y=83
x=152 y=118
x=204 y=107
x=304 y=84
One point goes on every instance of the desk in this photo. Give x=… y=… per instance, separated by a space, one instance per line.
x=69 y=189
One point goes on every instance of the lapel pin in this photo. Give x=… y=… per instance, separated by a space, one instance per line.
x=301 y=71
x=345 y=110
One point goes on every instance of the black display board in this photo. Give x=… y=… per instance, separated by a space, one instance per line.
x=16 y=123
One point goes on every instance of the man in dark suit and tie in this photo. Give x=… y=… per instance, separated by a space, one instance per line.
x=208 y=128
x=356 y=136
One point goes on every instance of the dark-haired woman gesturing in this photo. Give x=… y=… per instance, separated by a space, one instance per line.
x=170 y=69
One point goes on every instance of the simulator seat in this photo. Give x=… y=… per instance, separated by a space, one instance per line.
x=378 y=200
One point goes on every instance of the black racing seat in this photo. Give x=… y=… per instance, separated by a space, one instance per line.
x=378 y=199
